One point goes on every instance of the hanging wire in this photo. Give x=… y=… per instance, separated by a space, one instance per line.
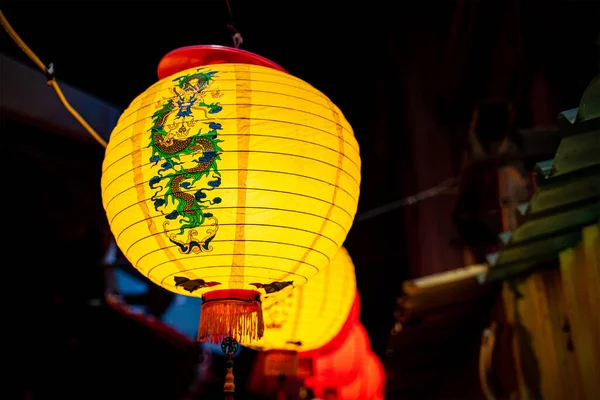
x=441 y=188
x=237 y=36
x=49 y=72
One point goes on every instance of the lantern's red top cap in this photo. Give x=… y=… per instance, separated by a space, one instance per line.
x=196 y=56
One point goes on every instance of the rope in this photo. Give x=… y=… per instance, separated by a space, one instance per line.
x=437 y=190
x=237 y=36
x=49 y=72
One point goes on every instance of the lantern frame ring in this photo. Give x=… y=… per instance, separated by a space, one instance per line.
x=256 y=298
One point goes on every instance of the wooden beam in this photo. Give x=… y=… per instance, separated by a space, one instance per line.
x=459 y=276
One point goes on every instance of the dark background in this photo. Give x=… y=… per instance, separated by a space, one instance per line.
x=406 y=74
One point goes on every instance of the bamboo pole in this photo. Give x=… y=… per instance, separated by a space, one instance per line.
x=512 y=291
x=552 y=343
x=580 y=275
x=510 y=302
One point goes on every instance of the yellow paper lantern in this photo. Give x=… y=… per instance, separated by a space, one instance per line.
x=310 y=316
x=232 y=182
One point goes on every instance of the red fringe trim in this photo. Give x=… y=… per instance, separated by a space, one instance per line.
x=239 y=319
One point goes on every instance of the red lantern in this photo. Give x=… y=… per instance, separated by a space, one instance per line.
x=342 y=366
x=369 y=384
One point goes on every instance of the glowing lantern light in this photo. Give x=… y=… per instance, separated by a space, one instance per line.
x=273 y=364
x=230 y=182
x=339 y=339
x=312 y=315
x=341 y=366
x=369 y=384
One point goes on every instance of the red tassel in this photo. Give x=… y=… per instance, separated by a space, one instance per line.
x=241 y=319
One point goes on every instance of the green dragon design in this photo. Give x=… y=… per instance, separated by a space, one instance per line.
x=182 y=156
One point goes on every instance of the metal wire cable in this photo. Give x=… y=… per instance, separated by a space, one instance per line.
x=49 y=72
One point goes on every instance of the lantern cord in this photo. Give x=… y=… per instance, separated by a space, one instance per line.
x=229 y=346
x=51 y=80
x=237 y=36
x=441 y=188
x=229 y=386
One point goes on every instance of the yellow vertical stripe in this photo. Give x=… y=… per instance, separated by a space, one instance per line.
x=244 y=93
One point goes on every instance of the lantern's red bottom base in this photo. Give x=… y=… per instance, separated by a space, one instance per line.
x=233 y=313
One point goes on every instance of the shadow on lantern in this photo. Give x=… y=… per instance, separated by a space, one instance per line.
x=179 y=312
